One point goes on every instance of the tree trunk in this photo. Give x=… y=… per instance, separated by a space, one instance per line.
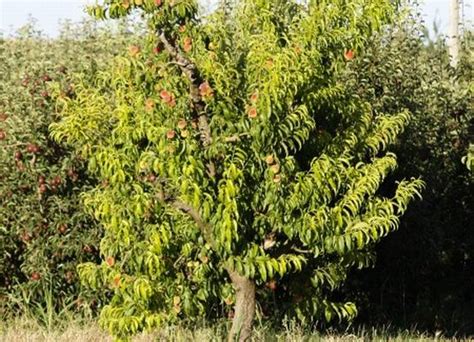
x=453 y=39
x=244 y=308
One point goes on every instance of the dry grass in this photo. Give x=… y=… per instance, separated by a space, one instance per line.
x=27 y=330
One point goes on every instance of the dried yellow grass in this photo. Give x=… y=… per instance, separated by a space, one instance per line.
x=27 y=330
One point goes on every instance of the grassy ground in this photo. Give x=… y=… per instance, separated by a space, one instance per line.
x=29 y=330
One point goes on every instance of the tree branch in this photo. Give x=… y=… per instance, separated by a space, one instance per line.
x=235 y=138
x=189 y=69
x=192 y=212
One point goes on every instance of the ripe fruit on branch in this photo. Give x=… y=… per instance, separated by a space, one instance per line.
x=42 y=188
x=134 y=50
x=46 y=78
x=170 y=134
x=116 y=281
x=157 y=50
x=188 y=44
x=275 y=168
x=205 y=90
x=3 y=117
x=3 y=135
x=182 y=28
x=158 y=2
x=35 y=276
x=271 y=285
x=277 y=179
x=110 y=261
x=349 y=55
x=72 y=175
x=269 y=159
x=254 y=97
x=87 y=249
x=32 y=148
x=182 y=124
x=269 y=63
x=41 y=179
x=229 y=300
x=165 y=95
x=252 y=112
x=151 y=178
x=25 y=237
x=57 y=180
x=168 y=98
x=62 y=228
x=18 y=155
x=44 y=94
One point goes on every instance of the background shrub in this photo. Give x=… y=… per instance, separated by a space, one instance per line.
x=44 y=233
x=423 y=275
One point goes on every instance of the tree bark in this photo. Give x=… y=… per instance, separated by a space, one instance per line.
x=453 y=39
x=244 y=313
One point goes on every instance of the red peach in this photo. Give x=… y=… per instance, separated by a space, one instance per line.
x=35 y=276
x=252 y=112
x=349 y=55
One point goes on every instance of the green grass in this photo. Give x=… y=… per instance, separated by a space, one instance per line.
x=36 y=322
x=26 y=329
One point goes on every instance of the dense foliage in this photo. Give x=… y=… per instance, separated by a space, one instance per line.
x=44 y=232
x=424 y=276
x=233 y=162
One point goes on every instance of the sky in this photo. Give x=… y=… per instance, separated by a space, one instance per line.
x=15 y=13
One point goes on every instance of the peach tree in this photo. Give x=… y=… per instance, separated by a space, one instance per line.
x=44 y=233
x=232 y=163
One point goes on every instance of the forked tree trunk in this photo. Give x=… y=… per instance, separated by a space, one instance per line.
x=244 y=308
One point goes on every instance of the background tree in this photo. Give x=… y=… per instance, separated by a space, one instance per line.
x=44 y=233
x=232 y=161
x=423 y=274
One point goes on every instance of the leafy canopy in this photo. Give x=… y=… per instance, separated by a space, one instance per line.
x=226 y=146
x=44 y=234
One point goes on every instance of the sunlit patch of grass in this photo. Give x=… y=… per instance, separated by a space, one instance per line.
x=29 y=330
x=44 y=323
